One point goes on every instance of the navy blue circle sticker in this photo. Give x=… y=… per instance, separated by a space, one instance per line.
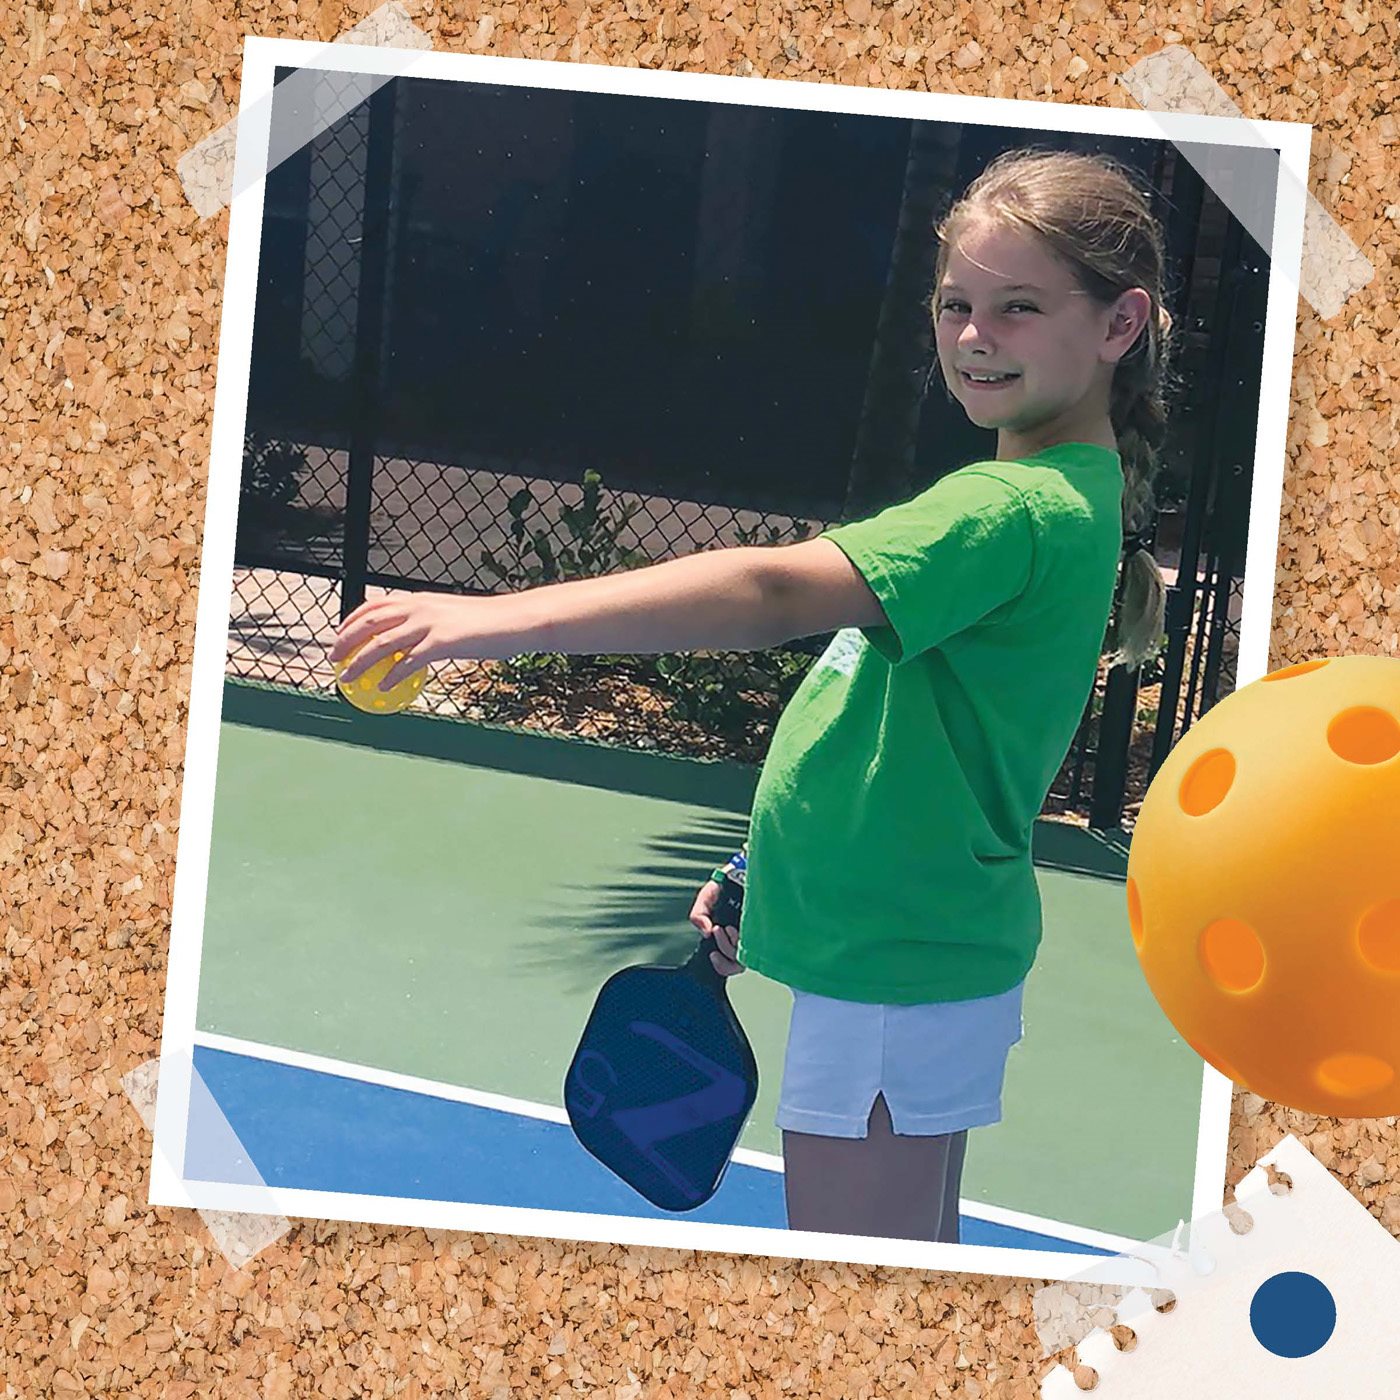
x=1293 y=1314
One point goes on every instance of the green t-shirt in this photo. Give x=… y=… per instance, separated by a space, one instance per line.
x=890 y=837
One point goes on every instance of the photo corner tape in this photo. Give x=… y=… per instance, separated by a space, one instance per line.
x=211 y=1144
x=308 y=103
x=1173 y=80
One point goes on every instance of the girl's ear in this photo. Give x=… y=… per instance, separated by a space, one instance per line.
x=1131 y=315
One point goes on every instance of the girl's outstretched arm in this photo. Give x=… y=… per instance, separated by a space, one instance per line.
x=736 y=599
x=744 y=598
x=716 y=600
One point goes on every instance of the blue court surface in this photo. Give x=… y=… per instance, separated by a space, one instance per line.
x=316 y=1131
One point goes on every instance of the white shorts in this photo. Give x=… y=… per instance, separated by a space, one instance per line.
x=940 y=1065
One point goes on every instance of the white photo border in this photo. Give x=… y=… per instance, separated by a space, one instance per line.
x=260 y=58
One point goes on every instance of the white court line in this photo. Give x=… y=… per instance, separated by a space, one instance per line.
x=526 y=1108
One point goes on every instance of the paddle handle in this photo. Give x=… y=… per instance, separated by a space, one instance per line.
x=724 y=914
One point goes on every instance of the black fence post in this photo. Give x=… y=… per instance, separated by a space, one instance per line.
x=1181 y=599
x=1248 y=306
x=1114 y=744
x=369 y=330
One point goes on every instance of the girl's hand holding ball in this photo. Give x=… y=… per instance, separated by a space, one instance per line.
x=382 y=650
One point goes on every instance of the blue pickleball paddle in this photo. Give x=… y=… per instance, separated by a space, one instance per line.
x=664 y=1078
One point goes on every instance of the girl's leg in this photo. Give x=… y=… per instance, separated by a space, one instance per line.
x=882 y=1185
x=952 y=1187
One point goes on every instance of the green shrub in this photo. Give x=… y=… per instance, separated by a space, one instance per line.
x=706 y=688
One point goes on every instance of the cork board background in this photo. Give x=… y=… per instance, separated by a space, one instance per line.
x=110 y=302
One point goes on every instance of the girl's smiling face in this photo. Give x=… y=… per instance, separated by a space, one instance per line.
x=1007 y=305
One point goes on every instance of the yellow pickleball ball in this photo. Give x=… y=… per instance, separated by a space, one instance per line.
x=364 y=693
x=1264 y=886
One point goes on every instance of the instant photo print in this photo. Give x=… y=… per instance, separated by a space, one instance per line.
x=484 y=315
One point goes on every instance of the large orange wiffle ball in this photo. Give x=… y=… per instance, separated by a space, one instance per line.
x=1264 y=886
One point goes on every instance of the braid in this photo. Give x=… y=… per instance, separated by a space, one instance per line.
x=1139 y=414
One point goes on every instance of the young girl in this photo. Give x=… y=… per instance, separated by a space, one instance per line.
x=889 y=882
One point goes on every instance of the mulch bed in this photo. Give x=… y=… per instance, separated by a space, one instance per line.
x=613 y=704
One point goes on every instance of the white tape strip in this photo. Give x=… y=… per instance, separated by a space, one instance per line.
x=239 y=1235
x=1066 y=1313
x=307 y=103
x=1333 y=267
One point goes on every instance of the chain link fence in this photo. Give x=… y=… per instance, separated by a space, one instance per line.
x=379 y=452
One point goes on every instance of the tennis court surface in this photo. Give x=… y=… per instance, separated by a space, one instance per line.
x=408 y=920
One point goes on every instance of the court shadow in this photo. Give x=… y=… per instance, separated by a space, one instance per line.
x=644 y=920
x=645 y=917
x=718 y=783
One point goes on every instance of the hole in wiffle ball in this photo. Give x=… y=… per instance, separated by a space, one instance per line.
x=1352 y=1076
x=1207 y=782
x=1301 y=669
x=1135 y=914
x=1364 y=735
x=1232 y=955
x=1378 y=937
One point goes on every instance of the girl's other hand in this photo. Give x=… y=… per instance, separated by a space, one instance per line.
x=723 y=957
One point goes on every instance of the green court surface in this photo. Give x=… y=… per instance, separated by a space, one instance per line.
x=443 y=900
